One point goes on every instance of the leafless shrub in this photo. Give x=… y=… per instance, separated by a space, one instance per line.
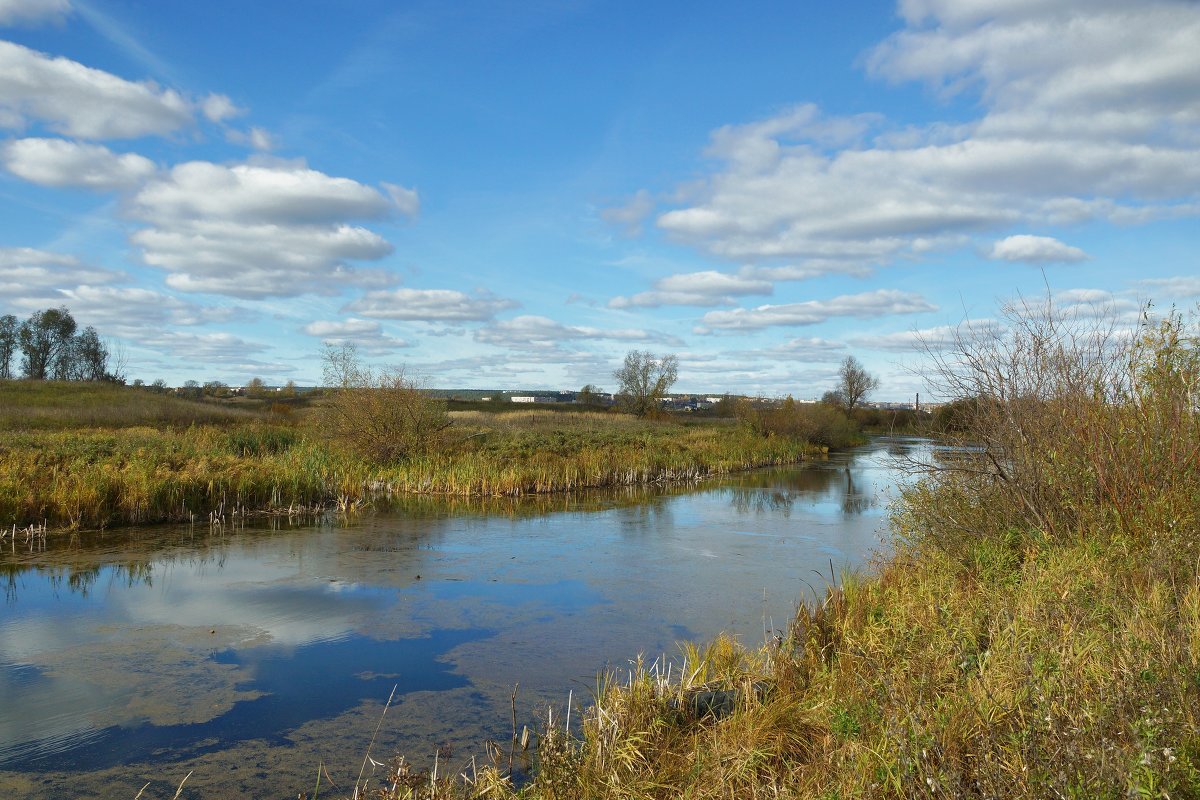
x=384 y=415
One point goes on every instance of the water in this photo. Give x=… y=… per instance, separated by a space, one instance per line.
x=251 y=656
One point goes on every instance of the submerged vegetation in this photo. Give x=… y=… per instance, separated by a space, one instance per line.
x=1035 y=633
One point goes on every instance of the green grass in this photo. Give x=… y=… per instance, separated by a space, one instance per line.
x=51 y=405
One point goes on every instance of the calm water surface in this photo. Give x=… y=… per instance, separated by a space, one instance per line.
x=249 y=656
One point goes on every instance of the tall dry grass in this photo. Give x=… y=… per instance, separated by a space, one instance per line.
x=98 y=477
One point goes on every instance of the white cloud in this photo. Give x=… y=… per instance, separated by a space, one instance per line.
x=1091 y=111
x=881 y=302
x=1179 y=286
x=268 y=192
x=707 y=288
x=936 y=338
x=429 y=305
x=530 y=332
x=405 y=200
x=256 y=138
x=15 y=12
x=800 y=349
x=361 y=332
x=226 y=349
x=218 y=108
x=62 y=163
x=269 y=229
x=35 y=276
x=75 y=100
x=132 y=311
x=1097 y=304
x=1035 y=250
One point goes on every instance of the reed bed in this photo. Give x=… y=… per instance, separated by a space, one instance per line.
x=94 y=478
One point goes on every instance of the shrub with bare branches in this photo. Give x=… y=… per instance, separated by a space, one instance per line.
x=383 y=415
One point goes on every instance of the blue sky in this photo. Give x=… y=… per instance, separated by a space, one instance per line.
x=513 y=195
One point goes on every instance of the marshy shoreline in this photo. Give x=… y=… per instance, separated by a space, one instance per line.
x=135 y=459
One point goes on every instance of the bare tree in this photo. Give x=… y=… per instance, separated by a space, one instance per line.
x=854 y=382
x=644 y=379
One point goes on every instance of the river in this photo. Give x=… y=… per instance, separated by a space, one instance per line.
x=251 y=655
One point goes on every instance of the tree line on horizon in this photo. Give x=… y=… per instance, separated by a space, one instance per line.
x=51 y=347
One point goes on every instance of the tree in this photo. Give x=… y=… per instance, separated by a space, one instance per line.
x=644 y=379
x=854 y=382
x=8 y=344
x=42 y=338
x=256 y=388
x=588 y=395
x=91 y=356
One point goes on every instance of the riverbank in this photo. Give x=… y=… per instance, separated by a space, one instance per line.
x=1035 y=633
x=135 y=458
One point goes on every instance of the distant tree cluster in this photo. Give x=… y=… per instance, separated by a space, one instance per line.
x=52 y=347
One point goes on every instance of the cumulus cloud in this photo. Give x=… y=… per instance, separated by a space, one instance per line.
x=79 y=101
x=16 y=12
x=360 y=332
x=270 y=229
x=1035 y=250
x=429 y=305
x=35 y=276
x=31 y=280
x=881 y=302
x=1091 y=111
x=130 y=311
x=62 y=163
x=708 y=288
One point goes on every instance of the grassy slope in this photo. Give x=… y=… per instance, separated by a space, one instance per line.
x=95 y=455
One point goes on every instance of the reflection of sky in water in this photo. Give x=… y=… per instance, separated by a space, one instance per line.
x=296 y=684
x=187 y=640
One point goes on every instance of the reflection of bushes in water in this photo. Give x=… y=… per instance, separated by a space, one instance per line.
x=77 y=579
x=129 y=557
x=427 y=506
x=780 y=490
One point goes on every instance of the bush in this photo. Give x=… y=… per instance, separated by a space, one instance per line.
x=818 y=423
x=1079 y=425
x=383 y=417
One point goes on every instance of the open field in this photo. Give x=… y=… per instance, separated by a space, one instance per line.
x=145 y=462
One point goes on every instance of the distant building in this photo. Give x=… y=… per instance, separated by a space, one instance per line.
x=533 y=398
